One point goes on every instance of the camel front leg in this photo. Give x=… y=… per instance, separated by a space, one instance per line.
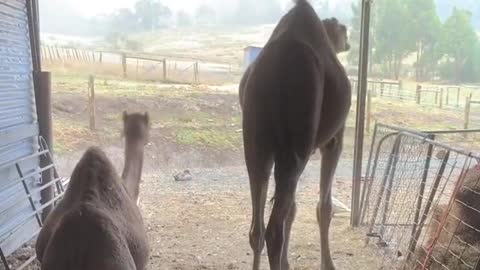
x=330 y=156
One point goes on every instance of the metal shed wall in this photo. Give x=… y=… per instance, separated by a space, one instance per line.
x=18 y=127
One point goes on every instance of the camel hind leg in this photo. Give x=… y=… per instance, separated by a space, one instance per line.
x=259 y=166
x=330 y=156
x=288 y=169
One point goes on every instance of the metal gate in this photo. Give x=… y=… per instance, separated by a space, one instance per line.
x=420 y=201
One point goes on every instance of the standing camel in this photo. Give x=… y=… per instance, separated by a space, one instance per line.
x=97 y=224
x=295 y=98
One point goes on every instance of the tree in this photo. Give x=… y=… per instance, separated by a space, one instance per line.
x=183 y=19
x=205 y=15
x=123 y=20
x=152 y=14
x=458 y=42
x=354 y=37
x=251 y=12
x=424 y=27
x=392 y=39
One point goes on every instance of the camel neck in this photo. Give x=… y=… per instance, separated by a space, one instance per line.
x=132 y=168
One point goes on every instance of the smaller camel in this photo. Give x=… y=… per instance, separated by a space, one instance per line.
x=136 y=132
x=97 y=224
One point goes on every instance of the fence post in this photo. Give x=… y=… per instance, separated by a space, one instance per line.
x=58 y=54
x=382 y=87
x=195 y=72
x=418 y=94
x=369 y=111
x=67 y=52
x=77 y=56
x=124 y=65
x=448 y=96
x=441 y=98
x=100 y=57
x=458 y=96
x=50 y=54
x=436 y=96
x=164 y=69
x=467 y=111
x=91 y=101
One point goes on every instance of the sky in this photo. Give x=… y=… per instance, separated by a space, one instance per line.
x=94 y=7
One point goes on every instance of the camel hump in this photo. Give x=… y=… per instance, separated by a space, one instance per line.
x=95 y=154
x=98 y=242
x=298 y=2
x=94 y=166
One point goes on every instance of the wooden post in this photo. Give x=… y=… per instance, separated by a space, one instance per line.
x=369 y=111
x=195 y=72
x=77 y=56
x=58 y=54
x=93 y=57
x=419 y=94
x=100 y=58
x=440 y=105
x=164 y=62
x=458 y=96
x=448 y=96
x=50 y=53
x=467 y=111
x=382 y=87
x=91 y=101
x=85 y=56
x=124 y=65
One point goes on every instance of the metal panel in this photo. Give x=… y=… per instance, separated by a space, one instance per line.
x=18 y=126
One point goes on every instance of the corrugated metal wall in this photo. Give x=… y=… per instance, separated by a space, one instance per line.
x=18 y=125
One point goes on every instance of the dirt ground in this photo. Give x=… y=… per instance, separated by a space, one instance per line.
x=204 y=223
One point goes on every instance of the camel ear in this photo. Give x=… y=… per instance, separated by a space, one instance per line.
x=147 y=118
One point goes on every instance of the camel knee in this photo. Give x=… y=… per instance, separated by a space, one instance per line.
x=257 y=238
x=324 y=210
x=274 y=236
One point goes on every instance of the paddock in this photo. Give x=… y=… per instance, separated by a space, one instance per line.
x=408 y=147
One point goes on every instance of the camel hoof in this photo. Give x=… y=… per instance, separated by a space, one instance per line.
x=327 y=267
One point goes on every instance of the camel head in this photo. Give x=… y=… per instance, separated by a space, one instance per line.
x=337 y=33
x=136 y=126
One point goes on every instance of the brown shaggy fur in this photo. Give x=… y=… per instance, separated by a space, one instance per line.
x=97 y=225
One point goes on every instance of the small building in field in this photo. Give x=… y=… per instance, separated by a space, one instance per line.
x=250 y=53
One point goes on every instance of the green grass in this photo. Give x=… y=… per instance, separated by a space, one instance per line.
x=217 y=139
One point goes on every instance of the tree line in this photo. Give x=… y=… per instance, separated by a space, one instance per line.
x=411 y=29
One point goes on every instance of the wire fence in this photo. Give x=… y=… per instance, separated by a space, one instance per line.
x=139 y=66
x=420 y=200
